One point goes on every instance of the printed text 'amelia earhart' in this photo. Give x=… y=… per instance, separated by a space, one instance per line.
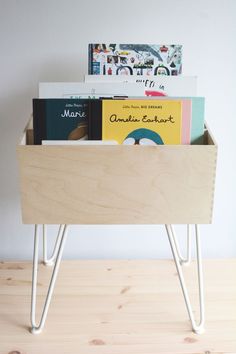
x=145 y=119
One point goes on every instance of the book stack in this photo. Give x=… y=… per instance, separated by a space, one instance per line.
x=132 y=94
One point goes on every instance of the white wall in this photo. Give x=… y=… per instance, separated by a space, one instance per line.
x=46 y=40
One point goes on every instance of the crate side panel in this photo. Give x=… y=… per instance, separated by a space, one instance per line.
x=117 y=184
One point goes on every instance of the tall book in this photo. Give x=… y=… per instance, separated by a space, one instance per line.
x=134 y=59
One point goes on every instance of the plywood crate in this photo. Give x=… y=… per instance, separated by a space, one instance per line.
x=117 y=184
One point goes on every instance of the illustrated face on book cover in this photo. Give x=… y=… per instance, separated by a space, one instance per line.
x=143 y=136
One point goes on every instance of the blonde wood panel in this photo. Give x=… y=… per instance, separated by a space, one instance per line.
x=117 y=307
x=117 y=184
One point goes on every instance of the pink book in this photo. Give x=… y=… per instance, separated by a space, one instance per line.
x=186 y=121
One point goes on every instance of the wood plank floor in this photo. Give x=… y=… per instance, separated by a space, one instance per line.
x=118 y=307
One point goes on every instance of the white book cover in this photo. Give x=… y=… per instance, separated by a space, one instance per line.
x=88 y=90
x=153 y=85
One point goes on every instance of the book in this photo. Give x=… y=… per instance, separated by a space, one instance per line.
x=153 y=85
x=134 y=59
x=87 y=90
x=60 y=119
x=95 y=118
x=142 y=122
x=186 y=121
x=198 y=118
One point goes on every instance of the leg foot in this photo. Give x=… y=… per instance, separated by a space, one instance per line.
x=35 y=330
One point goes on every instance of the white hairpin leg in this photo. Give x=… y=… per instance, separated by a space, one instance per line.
x=182 y=260
x=37 y=329
x=50 y=261
x=197 y=328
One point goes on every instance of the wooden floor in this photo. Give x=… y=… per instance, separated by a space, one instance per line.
x=118 y=307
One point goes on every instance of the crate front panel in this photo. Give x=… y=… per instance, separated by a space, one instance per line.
x=117 y=184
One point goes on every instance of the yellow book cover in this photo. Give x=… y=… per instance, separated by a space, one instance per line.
x=143 y=122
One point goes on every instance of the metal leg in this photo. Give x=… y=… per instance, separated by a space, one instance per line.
x=50 y=261
x=197 y=328
x=182 y=260
x=37 y=329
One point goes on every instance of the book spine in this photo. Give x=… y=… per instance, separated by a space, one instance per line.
x=95 y=120
x=90 y=59
x=39 y=122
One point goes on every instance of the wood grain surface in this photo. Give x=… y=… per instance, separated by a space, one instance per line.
x=118 y=307
x=117 y=184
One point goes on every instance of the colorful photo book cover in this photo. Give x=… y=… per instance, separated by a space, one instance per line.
x=141 y=122
x=135 y=59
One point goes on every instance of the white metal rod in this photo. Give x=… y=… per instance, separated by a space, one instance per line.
x=50 y=261
x=189 y=239
x=34 y=275
x=187 y=260
x=200 y=276
x=45 y=251
x=197 y=328
x=37 y=329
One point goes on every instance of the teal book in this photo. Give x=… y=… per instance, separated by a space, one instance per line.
x=60 y=119
x=198 y=118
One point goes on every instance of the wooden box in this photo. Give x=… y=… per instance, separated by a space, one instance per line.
x=165 y=184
